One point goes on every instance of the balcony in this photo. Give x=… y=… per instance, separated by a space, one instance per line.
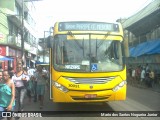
x=16 y=19
x=14 y=40
x=11 y=40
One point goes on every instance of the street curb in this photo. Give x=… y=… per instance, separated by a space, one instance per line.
x=152 y=89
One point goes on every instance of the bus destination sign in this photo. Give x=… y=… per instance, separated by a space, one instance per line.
x=88 y=26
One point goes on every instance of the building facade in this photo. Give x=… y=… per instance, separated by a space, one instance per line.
x=17 y=27
x=142 y=31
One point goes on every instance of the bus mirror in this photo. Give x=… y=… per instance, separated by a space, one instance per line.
x=49 y=41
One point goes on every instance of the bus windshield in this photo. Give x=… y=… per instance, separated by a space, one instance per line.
x=87 y=53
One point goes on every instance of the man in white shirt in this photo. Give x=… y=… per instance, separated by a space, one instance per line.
x=133 y=76
x=31 y=72
x=142 y=76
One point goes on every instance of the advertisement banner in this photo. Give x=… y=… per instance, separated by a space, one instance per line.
x=3 y=50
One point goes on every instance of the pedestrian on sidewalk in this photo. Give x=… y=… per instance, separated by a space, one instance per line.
x=41 y=78
x=151 y=76
x=28 y=86
x=20 y=79
x=142 y=76
x=147 y=78
x=133 y=79
x=31 y=72
x=137 y=74
x=35 y=85
x=7 y=94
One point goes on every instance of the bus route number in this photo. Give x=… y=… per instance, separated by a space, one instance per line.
x=73 y=85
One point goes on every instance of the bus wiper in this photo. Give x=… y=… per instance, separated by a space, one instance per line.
x=106 y=35
x=71 y=34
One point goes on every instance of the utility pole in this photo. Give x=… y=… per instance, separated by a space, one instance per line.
x=44 y=39
x=22 y=34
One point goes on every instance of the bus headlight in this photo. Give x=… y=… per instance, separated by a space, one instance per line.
x=119 y=86
x=122 y=83
x=60 y=87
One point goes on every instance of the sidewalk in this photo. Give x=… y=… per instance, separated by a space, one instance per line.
x=156 y=87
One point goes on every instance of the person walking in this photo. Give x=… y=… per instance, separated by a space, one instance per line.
x=28 y=86
x=133 y=76
x=151 y=76
x=41 y=77
x=31 y=72
x=34 y=85
x=142 y=76
x=7 y=94
x=20 y=79
x=138 y=74
x=147 y=78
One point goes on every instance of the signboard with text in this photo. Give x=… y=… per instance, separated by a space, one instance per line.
x=88 y=26
x=3 y=50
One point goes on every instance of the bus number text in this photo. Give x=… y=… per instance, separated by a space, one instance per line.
x=73 y=85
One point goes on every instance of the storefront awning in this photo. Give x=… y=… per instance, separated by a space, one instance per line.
x=41 y=63
x=3 y=58
x=146 y=48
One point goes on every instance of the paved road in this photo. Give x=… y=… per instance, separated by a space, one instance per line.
x=138 y=99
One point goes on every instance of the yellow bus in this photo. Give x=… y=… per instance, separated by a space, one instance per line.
x=87 y=62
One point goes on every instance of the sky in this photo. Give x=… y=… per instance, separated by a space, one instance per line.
x=51 y=11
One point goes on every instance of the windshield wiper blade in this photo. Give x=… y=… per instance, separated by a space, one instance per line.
x=106 y=35
x=71 y=34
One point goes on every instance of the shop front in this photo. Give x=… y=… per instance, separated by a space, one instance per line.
x=12 y=54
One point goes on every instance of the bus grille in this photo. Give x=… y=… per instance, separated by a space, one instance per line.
x=90 y=80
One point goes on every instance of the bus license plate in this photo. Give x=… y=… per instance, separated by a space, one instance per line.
x=90 y=96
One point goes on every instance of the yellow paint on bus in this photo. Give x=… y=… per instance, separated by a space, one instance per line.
x=87 y=62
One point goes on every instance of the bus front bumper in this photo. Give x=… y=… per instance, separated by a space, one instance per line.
x=88 y=96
